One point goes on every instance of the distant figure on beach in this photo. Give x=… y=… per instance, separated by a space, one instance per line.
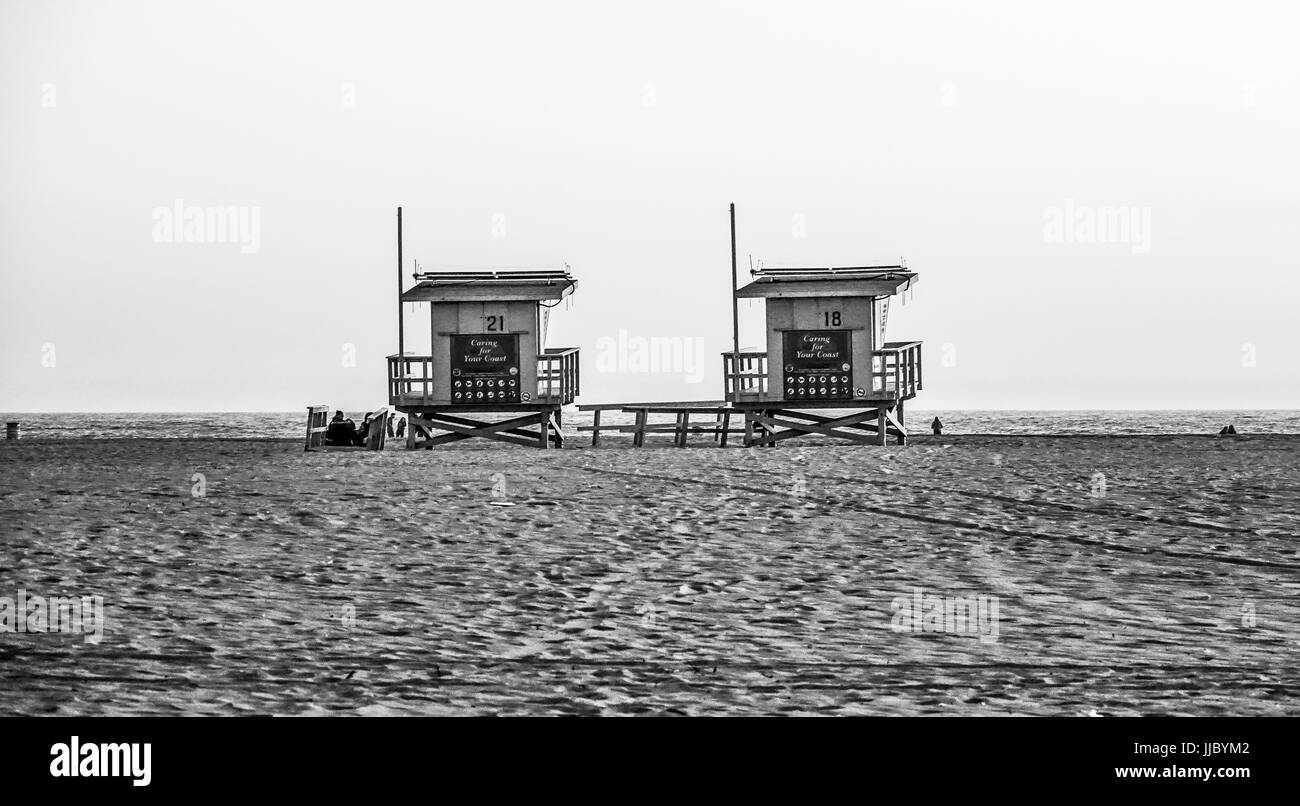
x=340 y=431
x=936 y=427
x=401 y=427
x=389 y=423
x=1227 y=429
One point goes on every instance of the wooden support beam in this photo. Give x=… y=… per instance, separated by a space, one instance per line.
x=831 y=428
x=414 y=422
x=509 y=430
x=897 y=421
x=867 y=425
x=557 y=433
x=517 y=431
x=460 y=432
x=761 y=425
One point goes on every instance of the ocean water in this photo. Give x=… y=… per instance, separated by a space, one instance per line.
x=291 y=425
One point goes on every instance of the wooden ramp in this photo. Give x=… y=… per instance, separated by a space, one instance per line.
x=713 y=417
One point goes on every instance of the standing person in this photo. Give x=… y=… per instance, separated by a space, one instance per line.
x=389 y=423
x=401 y=427
x=936 y=427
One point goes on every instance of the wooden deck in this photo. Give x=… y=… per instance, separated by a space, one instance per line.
x=764 y=423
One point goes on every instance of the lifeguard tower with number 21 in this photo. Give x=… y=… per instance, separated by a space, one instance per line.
x=487 y=332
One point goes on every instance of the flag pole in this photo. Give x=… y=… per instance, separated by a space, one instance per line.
x=401 y=329
x=735 y=313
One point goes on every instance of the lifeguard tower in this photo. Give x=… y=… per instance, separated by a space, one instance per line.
x=826 y=350
x=487 y=332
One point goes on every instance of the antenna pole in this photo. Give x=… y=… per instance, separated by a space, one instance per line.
x=401 y=329
x=735 y=313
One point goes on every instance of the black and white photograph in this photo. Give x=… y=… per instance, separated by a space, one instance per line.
x=890 y=368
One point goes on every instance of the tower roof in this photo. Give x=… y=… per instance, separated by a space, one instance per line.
x=505 y=285
x=846 y=281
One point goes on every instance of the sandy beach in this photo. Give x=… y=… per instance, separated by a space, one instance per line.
x=1130 y=575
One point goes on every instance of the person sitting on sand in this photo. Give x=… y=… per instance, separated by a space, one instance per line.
x=340 y=431
x=360 y=439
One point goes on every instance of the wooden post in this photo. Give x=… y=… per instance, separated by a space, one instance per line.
x=638 y=437
x=918 y=369
x=595 y=427
x=902 y=424
x=401 y=330
x=882 y=430
x=735 y=310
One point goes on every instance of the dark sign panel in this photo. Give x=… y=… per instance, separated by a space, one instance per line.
x=485 y=368
x=818 y=364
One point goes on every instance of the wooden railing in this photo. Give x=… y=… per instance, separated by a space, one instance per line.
x=896 y=369
x=318 y=422
x=410 y=378
x=557 y=375
x=744 y=375
x=895 y=372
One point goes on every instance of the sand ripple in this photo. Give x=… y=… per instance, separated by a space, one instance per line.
x=614 y=581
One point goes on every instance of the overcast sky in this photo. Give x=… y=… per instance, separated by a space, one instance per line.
x=976 y=143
